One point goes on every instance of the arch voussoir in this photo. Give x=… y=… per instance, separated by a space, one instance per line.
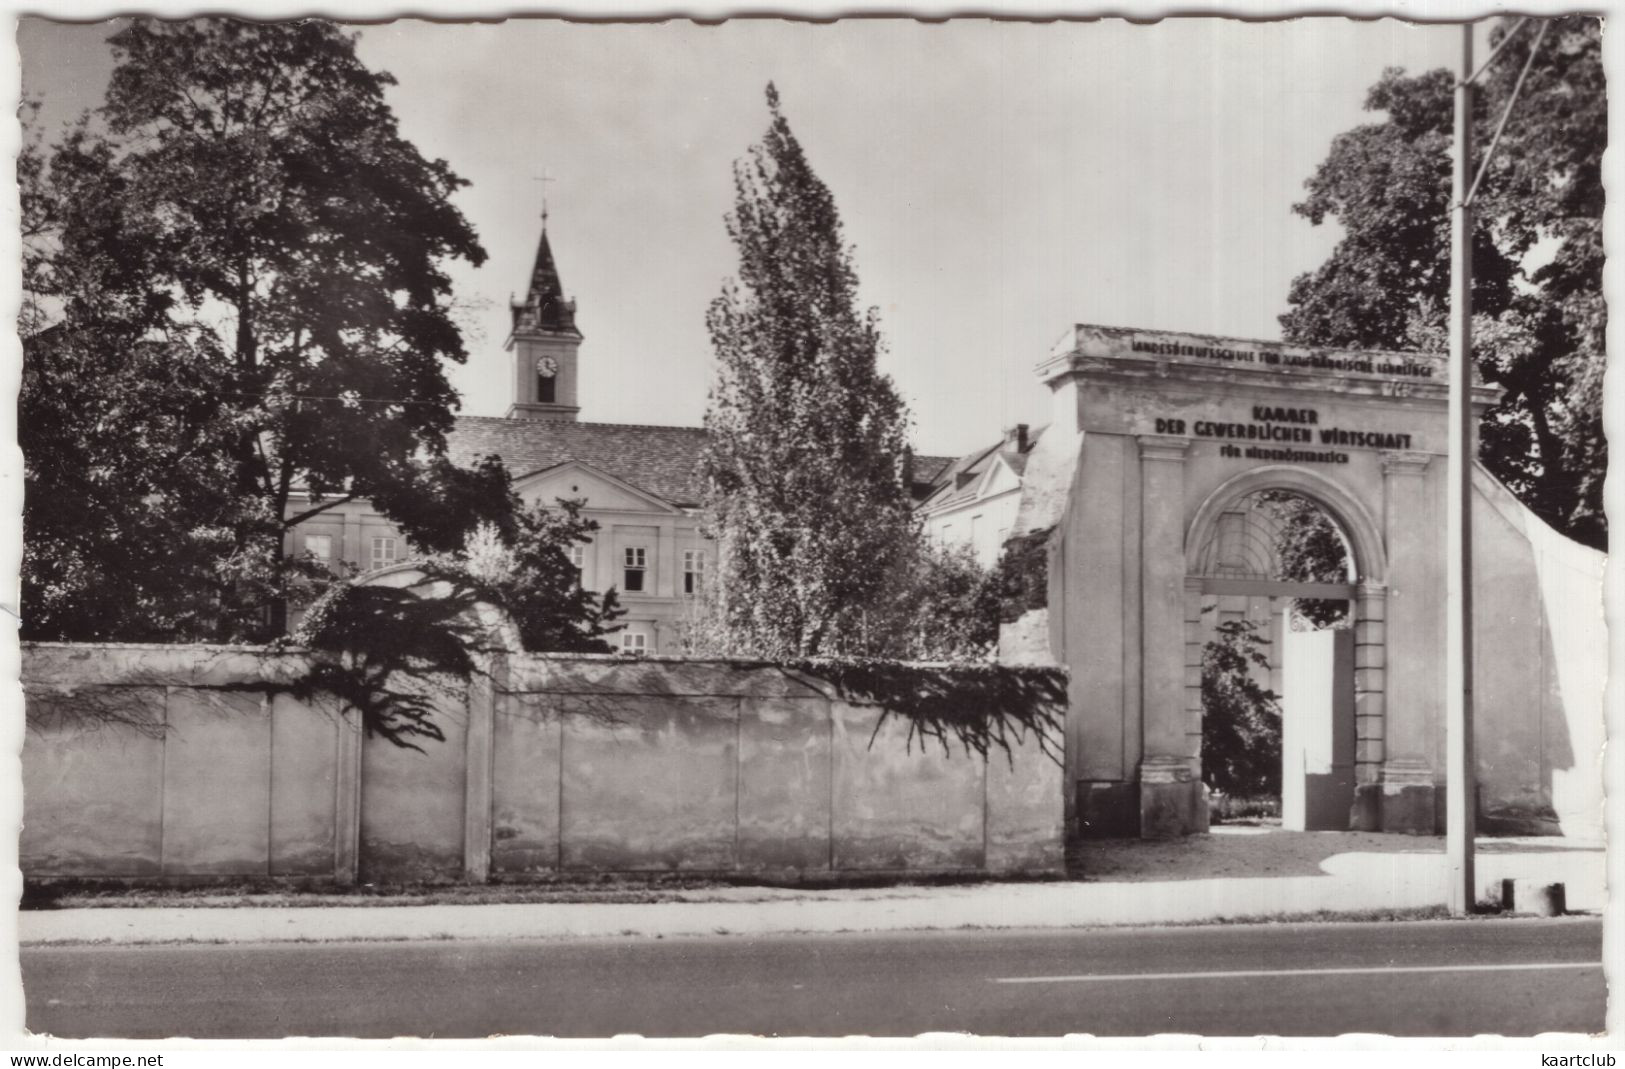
x=1365 y=537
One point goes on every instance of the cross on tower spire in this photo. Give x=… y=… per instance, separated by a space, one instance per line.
x=544 y=178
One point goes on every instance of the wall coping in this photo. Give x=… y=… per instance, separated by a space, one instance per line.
x=214 y=647
x=66 y=666
x=561 y=656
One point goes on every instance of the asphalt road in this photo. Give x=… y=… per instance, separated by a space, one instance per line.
x=1417 y=978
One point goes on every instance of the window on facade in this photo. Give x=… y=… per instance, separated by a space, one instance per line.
x=634 y=642
x=693 y=570
x=383 y=552
x=545 y=386
x=320 y=547
x=578 y=558
x=636 y=566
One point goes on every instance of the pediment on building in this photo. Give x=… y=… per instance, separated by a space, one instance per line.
x=998 y=479
x=600 y=489
x=980 y=476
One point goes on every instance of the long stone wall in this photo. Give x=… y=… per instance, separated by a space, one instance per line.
x=186 y=762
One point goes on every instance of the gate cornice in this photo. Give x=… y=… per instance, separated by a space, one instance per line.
x=1417 y=395
x=1144 y=357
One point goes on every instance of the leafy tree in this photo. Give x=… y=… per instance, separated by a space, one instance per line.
x=239 y=249
x=130 y=524
x=1241 y=720
x=437 y=504
x=1537 y=253
x=805 y=471
x=528 y=575
x=390 y=653
x=391 y=647
x=947 y=610
x=1308 y=548
x=129 y=532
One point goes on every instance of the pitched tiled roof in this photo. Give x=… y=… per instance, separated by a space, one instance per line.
x=930 y=469
x=957 y=479
x=927 y=470
x=663 y=461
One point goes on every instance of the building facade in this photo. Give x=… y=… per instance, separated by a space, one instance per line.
x=973 y=500
x=639 y=483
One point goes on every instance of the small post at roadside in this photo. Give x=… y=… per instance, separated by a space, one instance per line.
x=1460 y=770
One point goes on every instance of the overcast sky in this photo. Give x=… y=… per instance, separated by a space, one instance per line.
x=999 y=181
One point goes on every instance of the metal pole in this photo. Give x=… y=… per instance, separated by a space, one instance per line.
x=1460 y=770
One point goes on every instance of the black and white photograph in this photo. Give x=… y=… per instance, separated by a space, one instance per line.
x=768 y=530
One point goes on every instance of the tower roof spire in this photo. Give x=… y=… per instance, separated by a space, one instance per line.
x=544 y=307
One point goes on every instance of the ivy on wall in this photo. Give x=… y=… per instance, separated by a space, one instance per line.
x=985 y=708
x=1022 y=575
x=386 y=652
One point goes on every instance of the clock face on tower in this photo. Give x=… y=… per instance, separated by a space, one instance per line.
x=547 y=367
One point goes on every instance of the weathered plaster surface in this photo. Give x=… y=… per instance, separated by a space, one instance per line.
x=1539 y=671
x=1025 y=831
x=525 y=785
x=304 y=786
x=898 y=806
x=412 y=802
x=92 y=796
x=650 y=782
x=217 y=783
x=784 y=784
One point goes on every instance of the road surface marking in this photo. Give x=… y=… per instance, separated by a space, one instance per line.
x=1234 y=974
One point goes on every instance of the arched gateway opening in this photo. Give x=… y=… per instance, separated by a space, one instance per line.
x=1190 y=481
x=1271 y=585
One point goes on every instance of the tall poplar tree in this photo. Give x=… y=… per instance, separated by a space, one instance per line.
x=806 y=481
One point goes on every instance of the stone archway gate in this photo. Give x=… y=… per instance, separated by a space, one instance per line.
x=1159 y=433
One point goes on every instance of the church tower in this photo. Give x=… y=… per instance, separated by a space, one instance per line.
x=544 y=345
